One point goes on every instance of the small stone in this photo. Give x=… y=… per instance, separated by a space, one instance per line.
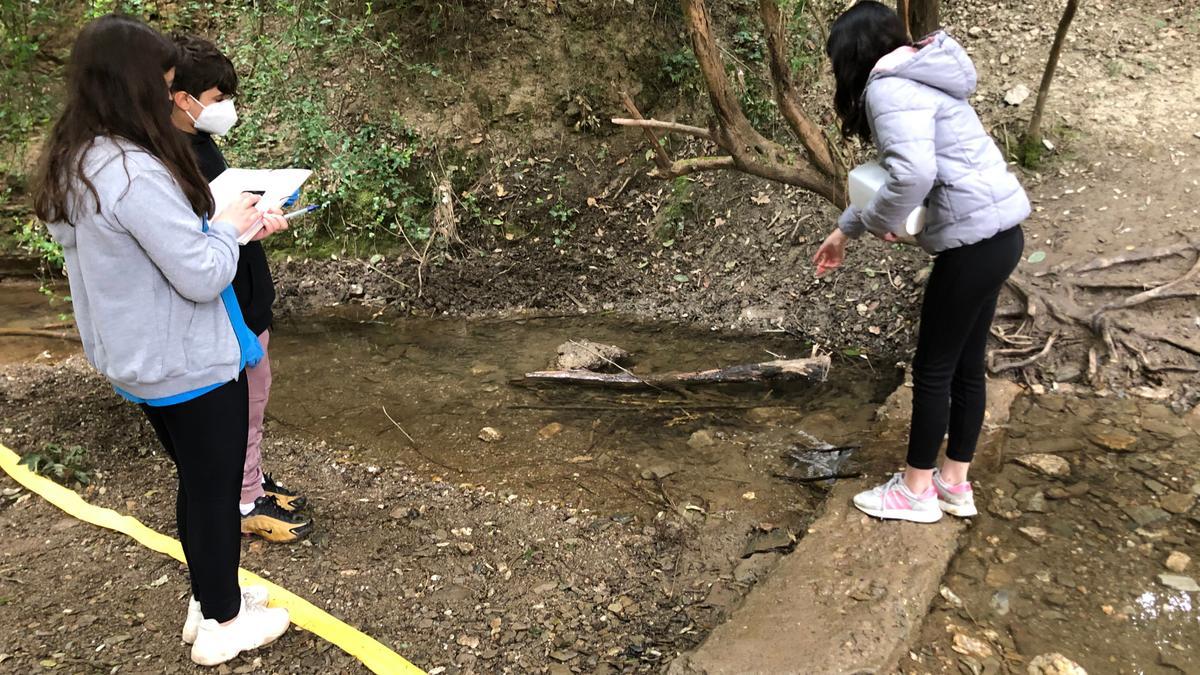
x=1069 y=372
x=1179 y=583
x=658 y=472
x=965 y=644
x=701 y=439
x=1000 y=602
x=490 y=435
x=775 y=540
x=355 y=291
x=562 y=656
x=1156 y=487
x=1177 y=502
x=588 y=355
x=975 y=31
x=1036 y=502
x=1178 y=561
x=1054 y=664
x=754 y=568
x=1056 y=599
x=1035 y=534
x=1074 y=490
x=468 y=641
x=1016 y=95
x=1145 y=515
x=1113 y=439
x=1049 y=465
x=1005 y=508
x=483 y=369
x=550 y=431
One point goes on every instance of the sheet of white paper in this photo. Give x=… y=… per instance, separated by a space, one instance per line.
x=275 y=184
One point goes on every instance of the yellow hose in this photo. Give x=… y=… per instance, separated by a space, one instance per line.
x=363 y=647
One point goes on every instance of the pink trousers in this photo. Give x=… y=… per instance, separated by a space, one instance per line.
x=258 y=379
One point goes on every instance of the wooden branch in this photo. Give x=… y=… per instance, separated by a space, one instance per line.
x=661 y=158
x=36 y=333
x=643 y=123
x=685 y=167
x=814 y=141
x=1165 y=291
x=1034 y=133
x=1140 y=255
x=815 y=368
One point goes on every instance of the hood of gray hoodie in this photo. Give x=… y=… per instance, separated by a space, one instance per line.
x=941 y=63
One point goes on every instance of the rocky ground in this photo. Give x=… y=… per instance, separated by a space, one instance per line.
x=1087 y=546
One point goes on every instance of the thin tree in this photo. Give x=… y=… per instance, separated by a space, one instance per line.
x=922 y=17
x=1033 y=135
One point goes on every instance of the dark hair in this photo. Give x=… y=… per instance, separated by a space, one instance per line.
x=115 y=88
x=860 y=37
x=202 y=66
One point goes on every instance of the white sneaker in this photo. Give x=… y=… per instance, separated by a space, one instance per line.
x=252 y=628
x=894 y=501
x=957 y=500
x=253 y=596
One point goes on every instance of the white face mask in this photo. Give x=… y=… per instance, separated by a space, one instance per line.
x=216 y=119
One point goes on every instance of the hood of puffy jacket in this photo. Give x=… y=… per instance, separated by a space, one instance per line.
x=940 y=63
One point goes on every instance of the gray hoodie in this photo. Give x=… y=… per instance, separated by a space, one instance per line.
x=936 y=152
x=146 y=279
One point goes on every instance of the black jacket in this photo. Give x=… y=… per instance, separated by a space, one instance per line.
x=253 y=284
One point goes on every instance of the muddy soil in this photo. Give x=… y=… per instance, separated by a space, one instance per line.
x=607 y=537
x=1092 y=563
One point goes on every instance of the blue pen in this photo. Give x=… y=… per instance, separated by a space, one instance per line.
x=300 y=212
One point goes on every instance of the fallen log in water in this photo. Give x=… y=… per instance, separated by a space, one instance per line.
x=815 y=368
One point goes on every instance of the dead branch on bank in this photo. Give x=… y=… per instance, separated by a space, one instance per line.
x=37 y=333
x=814 y=368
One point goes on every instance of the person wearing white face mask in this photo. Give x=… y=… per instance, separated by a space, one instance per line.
x=202 y=106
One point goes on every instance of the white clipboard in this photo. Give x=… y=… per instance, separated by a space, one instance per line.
x=276 y=185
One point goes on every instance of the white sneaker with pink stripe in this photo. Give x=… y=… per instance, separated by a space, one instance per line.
x=957 y=500
x=894 y=501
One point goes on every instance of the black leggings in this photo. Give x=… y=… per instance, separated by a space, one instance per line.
x=949 y=383
x=206 y=438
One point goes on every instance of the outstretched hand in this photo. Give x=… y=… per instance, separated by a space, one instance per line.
x=832 y=252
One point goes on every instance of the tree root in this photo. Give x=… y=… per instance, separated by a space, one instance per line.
x=999 y=368
x=36 y=333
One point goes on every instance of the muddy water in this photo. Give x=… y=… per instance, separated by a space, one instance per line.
x=443 y=381
x=23 y=306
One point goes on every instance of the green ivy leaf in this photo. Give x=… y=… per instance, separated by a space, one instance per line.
x=1037 y=257
x=682 y=278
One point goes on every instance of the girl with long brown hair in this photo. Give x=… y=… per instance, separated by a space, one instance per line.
x=150 y=281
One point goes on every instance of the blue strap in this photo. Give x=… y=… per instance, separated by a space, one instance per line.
x=251 y=350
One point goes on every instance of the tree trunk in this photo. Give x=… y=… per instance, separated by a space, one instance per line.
x=818 y=168
x=815 y=368
x=1033 y=136
x=923 y=17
